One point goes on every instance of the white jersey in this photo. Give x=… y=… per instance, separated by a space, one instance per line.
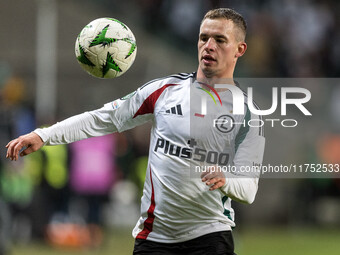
x=176 y=205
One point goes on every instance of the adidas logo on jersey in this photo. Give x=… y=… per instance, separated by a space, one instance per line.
x=177 y=110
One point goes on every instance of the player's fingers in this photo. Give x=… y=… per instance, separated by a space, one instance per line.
x=208 y=177
x=210 y=173
x=14 y=152
x=7 y=153
x=8 y=144
x=17 y=148
x=203 y=176
x=10 y=148
x=216 y=185
x=27 y=151
x=213 y=180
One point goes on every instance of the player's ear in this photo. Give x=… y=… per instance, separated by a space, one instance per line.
x=241 y=49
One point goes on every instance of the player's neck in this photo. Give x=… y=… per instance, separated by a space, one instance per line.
x=213 y=80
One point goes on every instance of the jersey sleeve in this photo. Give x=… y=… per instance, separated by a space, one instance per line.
x=242 y=184
x=137 y=107
x=131 y=110
x=119 y=115
x=77 y=127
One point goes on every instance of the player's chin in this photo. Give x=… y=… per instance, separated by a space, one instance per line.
x=208 y=65
x=208 y=71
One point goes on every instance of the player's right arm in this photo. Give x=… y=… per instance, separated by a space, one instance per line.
x=78 y=127
x=119 y=115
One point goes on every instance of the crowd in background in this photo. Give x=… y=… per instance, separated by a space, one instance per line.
x=288 y=38
x=59 y=192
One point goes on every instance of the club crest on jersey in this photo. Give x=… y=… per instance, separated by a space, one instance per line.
x=224 y=123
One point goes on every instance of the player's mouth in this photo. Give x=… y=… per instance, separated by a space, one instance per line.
x=208 y=59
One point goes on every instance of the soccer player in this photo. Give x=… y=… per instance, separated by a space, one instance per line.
x=182 y=211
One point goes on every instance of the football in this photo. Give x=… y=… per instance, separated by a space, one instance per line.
x=106 y=48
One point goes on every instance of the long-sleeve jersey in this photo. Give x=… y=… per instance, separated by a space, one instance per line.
x=176 y=205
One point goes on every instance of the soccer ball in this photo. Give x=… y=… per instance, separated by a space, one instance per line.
x=106 y=48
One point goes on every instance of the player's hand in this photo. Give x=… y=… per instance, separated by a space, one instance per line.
x=213 y=177
x=31 y=141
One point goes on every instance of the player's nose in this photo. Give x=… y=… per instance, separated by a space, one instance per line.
x=210 y=45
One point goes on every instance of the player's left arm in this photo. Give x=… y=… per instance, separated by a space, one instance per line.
x=241 y=184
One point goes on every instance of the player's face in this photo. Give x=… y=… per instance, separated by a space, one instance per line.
x=218 y=49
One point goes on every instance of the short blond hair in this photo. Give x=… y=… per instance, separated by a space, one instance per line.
x=230 y=14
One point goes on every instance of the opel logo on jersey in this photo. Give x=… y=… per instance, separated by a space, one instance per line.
x=224 y=123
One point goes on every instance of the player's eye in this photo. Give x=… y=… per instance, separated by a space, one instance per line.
x=204 y=38
x=220 y=40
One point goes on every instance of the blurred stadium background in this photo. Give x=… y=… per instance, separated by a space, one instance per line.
x=44 y=210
